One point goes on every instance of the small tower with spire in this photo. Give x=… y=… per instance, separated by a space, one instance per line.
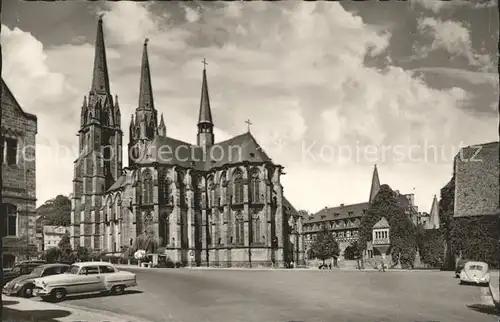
x=375 y=187
x=434 y=215
x=162 y=129
x=145 y=125
x=205 y=124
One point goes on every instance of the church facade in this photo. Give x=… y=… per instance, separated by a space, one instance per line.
x=211 y=204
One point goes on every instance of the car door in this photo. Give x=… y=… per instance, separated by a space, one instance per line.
x=90 y=280
x=105 y=271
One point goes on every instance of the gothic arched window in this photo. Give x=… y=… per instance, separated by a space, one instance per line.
x=256 y=229
x=148 y=188
x=210 y=191
x=238 y=187
x=253 y=188
x=239 y=229
x=217 y=195
x=163 y=189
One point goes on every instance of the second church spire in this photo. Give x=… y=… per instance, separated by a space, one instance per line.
x=100 y=77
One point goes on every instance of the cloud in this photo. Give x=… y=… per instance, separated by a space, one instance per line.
x=470 y=76
x=453 y=37
x=438 y=6
x=296 y=70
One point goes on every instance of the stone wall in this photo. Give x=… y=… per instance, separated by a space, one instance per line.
x=19 y=180
x=476 y=180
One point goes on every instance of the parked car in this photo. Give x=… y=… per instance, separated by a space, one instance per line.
x=23 y=285
x=84 y=278
x=22 y=268
x=460 y=267
x=475 y=273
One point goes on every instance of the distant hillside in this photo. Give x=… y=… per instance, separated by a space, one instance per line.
x=56 y=212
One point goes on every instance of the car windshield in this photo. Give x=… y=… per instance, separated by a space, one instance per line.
x=73 y=269
x=37 y=271
x=475 y=267
x=16 y=269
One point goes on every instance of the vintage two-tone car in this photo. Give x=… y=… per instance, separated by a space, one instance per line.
x=84 y=278
x=19 y=269
x=475 y=273
x=23 y=285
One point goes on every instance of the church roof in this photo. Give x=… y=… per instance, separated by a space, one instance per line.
x=288 y=206
x=240 y=148
x=119 y=183
x=169 y=151
x=382 y=223
x=340 y=212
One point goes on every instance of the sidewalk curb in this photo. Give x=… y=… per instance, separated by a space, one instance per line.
x=76 y=313
x=313 y=269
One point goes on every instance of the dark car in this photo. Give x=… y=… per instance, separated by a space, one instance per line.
x=460 y=266
x=23 y=285
x=22 y=268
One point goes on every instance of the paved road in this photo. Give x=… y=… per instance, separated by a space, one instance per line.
x=186 y=295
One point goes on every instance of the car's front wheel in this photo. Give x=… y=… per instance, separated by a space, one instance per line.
x=27 y=291
x=58 y=295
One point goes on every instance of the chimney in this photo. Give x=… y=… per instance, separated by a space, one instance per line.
x=341 y=205
x=397 y=192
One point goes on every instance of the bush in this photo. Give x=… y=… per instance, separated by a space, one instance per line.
x=431 y=247
x=446 y=209
x=476 y=238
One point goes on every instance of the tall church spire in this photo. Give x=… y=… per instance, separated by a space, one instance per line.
x=100 y=78
x=375 y=185
x=145 y=89
x=205 y=124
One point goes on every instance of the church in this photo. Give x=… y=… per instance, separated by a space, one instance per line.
x=210 y=204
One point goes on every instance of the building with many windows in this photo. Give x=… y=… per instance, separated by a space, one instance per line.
x=52 y=235
x=217 y=204
x=18 y=208
x=344 y=220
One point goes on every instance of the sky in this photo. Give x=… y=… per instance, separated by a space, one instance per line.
x=331 y=88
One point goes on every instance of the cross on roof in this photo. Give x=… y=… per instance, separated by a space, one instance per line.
x=204 y=63
x=248 y=124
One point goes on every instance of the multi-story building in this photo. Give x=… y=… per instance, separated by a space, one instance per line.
x=218 y=204
x=18 y=208
x=344 y=220
x=52 y=235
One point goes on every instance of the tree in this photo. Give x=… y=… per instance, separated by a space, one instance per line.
x=67 y=255
x=402 y=231
x=303 y=213
x=353 y=251
x=325 y=246
x=147 y=241
x=431 y=246
x=83 y=253
x=52 y=255
x=446 y=211
x=56 y=212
